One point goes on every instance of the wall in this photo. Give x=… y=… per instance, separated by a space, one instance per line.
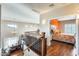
x=0 y=26
x=78 y=36
x=45 y=27
x=67 y=22
x=6 y=32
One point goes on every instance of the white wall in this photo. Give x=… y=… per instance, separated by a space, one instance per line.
x=19 y=12
x=78 y=36
x=0 y=26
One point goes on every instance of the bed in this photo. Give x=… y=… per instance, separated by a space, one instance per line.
x=64 y=38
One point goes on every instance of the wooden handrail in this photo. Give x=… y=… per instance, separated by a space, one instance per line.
x=39 y=46
x=43 y=46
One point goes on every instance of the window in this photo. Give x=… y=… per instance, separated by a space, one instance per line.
x=12 y=25
x=70 y=28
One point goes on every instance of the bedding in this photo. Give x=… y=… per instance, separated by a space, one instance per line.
x=64 y=38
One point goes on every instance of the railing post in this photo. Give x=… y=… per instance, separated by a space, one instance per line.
x=43 y=46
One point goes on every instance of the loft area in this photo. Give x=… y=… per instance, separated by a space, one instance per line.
x=39 y=30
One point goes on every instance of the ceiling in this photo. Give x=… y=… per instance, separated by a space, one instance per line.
x=19 y=13
x=44 y=7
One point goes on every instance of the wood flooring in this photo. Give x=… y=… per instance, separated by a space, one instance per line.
x=56 y=49
x=17 y=53
x=60 y=49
